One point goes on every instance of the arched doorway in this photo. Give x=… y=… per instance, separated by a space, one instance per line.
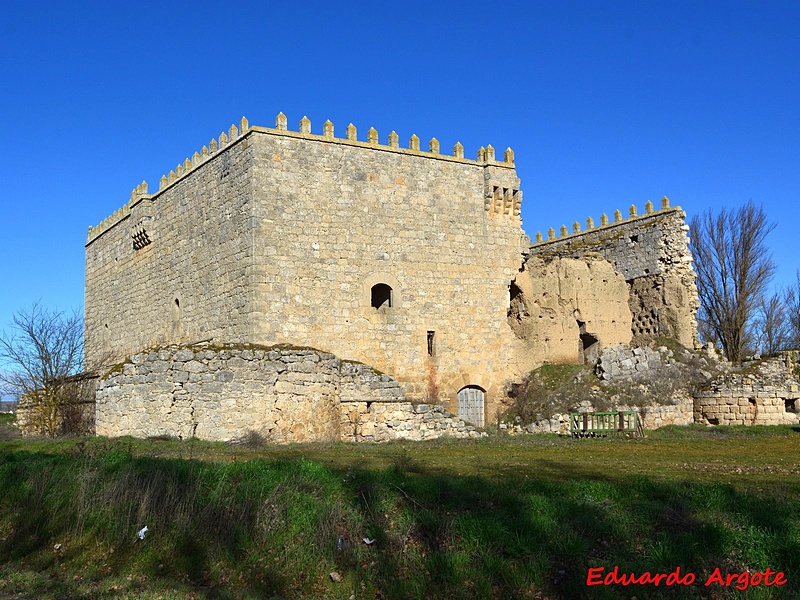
x=471 y=404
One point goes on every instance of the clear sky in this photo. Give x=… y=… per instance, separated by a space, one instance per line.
x=604 y=103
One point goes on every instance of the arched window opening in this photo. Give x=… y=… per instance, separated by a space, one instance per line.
x=471 y=405
x=381 y=296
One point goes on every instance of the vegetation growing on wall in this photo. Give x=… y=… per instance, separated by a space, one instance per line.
x=560 y=389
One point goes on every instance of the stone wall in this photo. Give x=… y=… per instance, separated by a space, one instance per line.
x=384 y=421
x=651 y=251
x=680 y=411
x=667 y=381
x=566 y=309
x=74 y=414
x=769 y=395
x=177 y=265
x=273 y=236
x=621 y=362
x=282 y=393
x=337 y=217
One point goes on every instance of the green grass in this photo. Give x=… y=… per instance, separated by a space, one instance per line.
x=555 y=376
x=548 y=390
x=504 y=517
x=8 y=430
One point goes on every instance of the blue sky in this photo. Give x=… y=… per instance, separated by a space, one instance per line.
x=604 y=103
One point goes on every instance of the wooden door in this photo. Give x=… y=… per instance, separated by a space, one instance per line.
x=470 y=405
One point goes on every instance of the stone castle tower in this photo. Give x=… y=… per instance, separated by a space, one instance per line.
x=400 y=258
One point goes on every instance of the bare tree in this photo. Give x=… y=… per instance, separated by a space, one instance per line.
x=771 y=324
x=734 y=268
x=42 y=349
x=793 y=313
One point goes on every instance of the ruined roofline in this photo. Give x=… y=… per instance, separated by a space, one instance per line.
x=486 y=157
x=633 y=217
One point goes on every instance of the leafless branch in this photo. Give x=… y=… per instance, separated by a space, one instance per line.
x=41 y=350
x=734 y=268
x=792 y=300
x=771 y=324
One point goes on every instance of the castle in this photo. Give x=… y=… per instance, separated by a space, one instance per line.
x=305 y=284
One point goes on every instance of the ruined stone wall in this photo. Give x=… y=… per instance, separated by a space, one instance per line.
x=770 y=395
x=73 y=415
x=622 y=362
x=653 y=367
x=679 y=412
x=651 y=251
x=277 y=236
x=281 y=393
x=385 y=421
x=566 y=309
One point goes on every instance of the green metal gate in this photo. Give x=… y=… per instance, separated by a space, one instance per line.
x=600 y=424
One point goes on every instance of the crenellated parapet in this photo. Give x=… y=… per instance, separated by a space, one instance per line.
x=206 y=152
x=651 y=251
x=180 y=171
x=485 y=155
x=565 y=234
x=502 y=199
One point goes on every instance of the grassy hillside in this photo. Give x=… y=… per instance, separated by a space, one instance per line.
x=494 y=518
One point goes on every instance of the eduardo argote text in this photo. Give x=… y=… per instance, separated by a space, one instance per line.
x=740 y=581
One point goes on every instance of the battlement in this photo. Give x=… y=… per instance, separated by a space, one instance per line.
x=565 y=235
x=485 y=156
x=651 y=252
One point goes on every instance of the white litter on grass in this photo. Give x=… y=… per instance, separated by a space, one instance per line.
x=141 y=532
x=368 y=541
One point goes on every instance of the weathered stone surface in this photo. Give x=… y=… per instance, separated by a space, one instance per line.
x=621 y=362
x=767 y=396
x=257 y=391
x=372 y=422
x=652 y=254
x=75 y=417
x=278 y=237
x=556 y=301
x=274 y=237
